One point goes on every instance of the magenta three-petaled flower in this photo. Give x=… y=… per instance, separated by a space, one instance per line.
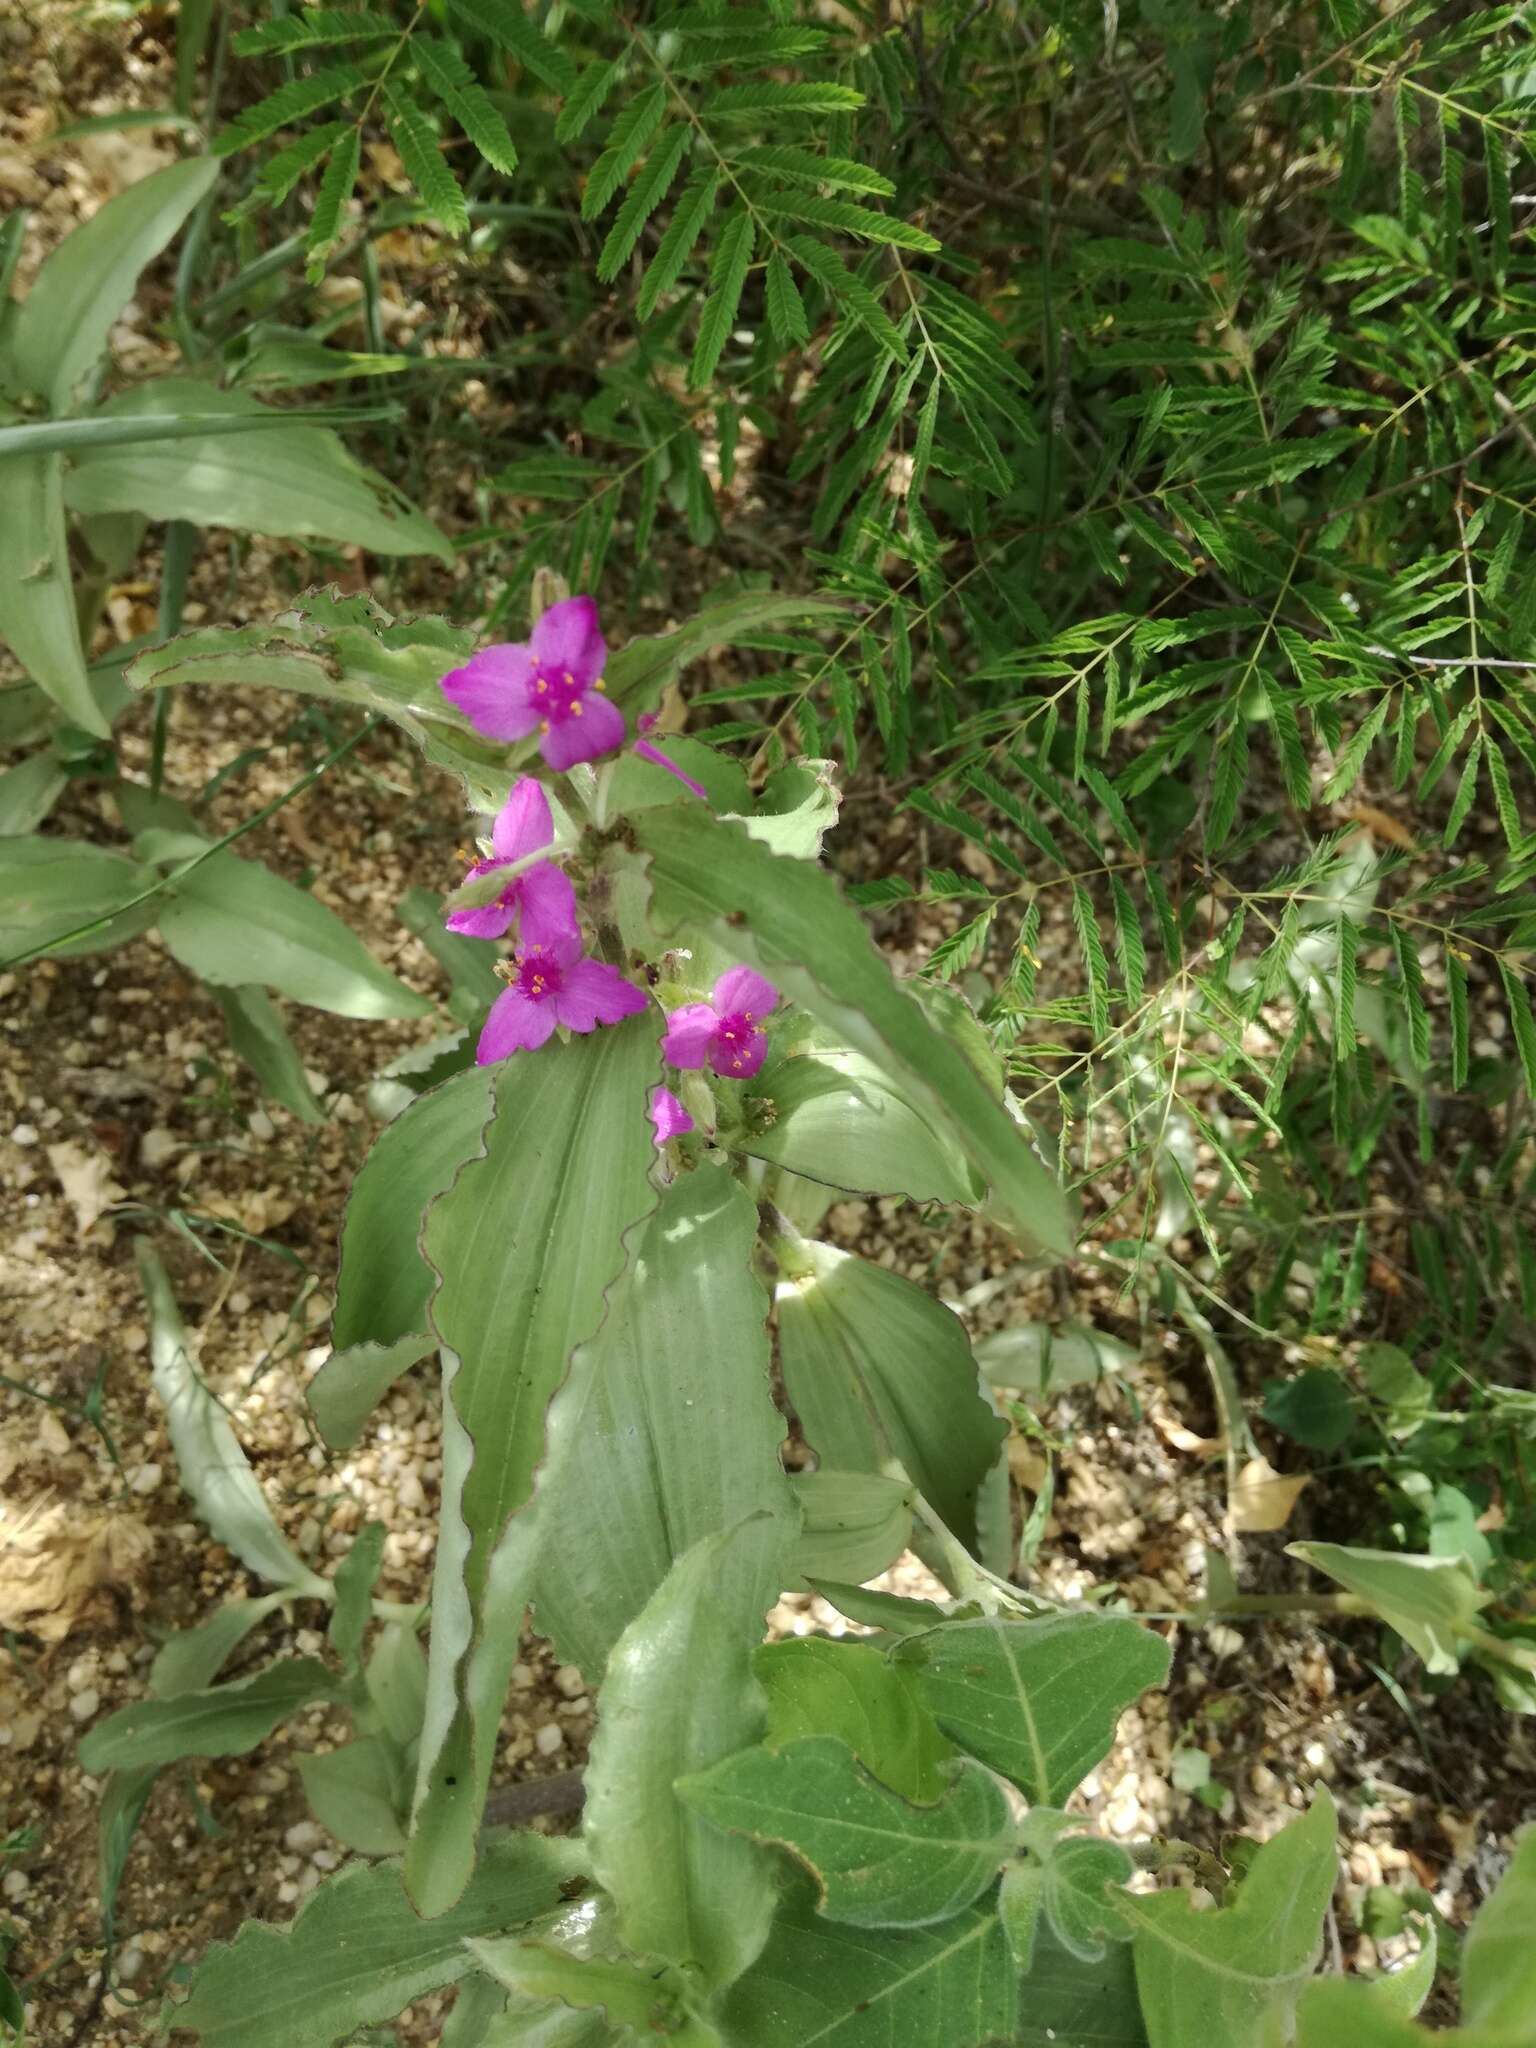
x=668 y=1117
x=550 y=985
x=541 y=896
x=551 y=685
x=726 y=1032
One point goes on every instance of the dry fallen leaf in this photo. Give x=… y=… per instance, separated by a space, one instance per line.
x=1382 y=825
x=86 y=1178
x=59 y=1564
x=1262 y=1498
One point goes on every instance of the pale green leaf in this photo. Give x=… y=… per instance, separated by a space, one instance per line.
x=226 y=1720
x=819 y=1687
x=1430 y=1601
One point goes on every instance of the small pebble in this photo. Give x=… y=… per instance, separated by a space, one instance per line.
x=550 y=1739
x=570 y=1682
x=24 y=1134
x=85 y=1704
x=146 y=1478
x=303 y=1837
x=15 y=1884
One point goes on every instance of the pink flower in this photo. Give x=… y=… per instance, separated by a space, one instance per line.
x=669 y=1119
x=551 y=685
x=725 y=1030
x=541 y=895
x=550 y=985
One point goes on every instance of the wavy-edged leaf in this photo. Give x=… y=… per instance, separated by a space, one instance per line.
x=357 y=1953
x=819 y=1687
x=790 y=920
x=526 y=1244
x=665 y=1417
x=686 y=1892
x=1036 y=1700
x=226 y=1720
x=1232 y=1974
x=878 y=1859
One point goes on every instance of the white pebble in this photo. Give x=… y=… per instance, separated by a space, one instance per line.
x=303 y=1837
x=16 y=1884
x=24 y=1134
x=549 y=1740
x=261 y=1126
x=570 y=1681
x=85 y=1704
x=146 y=1478
x=156 y=1146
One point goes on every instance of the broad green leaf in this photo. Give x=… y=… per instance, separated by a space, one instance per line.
x=890 y=1612
x=351 y=1384
x=396 y=1679
x=224 y=1720
x=1314 y=1409
x=1498 y=1964
x=878 y=1860
x=1335 y=2010
x=686 y=1893
x=1227 y=1974
x=854 y=1525
x=878 y=1370
x=297 y=480
x=837 y=1117
x=353 y=1582
x=51 y=886
x=822 y=1985
x=385 y=1284
x=356 y=1794
x=259 y=1036
x=1042 y=1358
x=797 y=809
x=788 y=919
x=855 y=1692
x=526 y=1243
x=1430 y=1601
x=232 y=922
x=1065 y=2002
x=639 y=1998
x=37 y=601
x=213 y=1467
x=190 y=1660
x=1037 y=1700
x=358 y=1953
x=29 y=791
x=666 y=1418
x=64 y=321
x=1079 y=1875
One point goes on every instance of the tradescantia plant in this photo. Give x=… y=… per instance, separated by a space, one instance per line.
x=598 y=1209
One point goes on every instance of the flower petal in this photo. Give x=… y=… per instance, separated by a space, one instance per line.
x=598 y=730
x=514 y=1025
x=739 y=1062
x=668 y=1117
x=523 y=823
x=690 y=1031
x=741 y=993
x=548 y=905
x=492 y=691
x=594 y=993
x=567 y=641
x=489 y=921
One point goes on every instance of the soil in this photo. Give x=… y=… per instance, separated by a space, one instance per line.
x=122 y=1112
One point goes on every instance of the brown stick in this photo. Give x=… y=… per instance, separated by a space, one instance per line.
x=513 y=1806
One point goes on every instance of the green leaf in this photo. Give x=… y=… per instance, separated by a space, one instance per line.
x=586 y=100
x=727 y=276
x=29 y=791
x=788 y=919
x=854 y=1524
x=878 y=1860
x=1230 y=1974
x=327 y=222
x=745 y=102
x=37 y=606
x=191 y=1659
x=462 y=94
x=1080 y=1873
x=385 y=1284
x=231 y=921
x=1498 y=1963
x=889 y=1612
x=355 y=1794
x=786 y=311
x=259 y=1036
x=1430 y=1601
x=848 y=219
x=1042 y=1358
x=289 y=106
x=805 y=167
x=317 y=28
x=353 y=1583
x=213 y=1467
x=951 y=1986
x=1521 y=1022
x=52 y=886
x=666 y=1417
x=876 y=1370
x=226 y=1720
x=689 y=216
x=686 y=1892
x=62 y=325
x=426 y=167
x=642 y=200
x=850 y=1690
x=1065 y=2002
x=295 y=480
x=351 y=1384
x=572 y=1968
x=835 y=1116
x=357 y=1953
x=1313 y=1409
x=396 y=1679
x=526 y=1243
x=513 y=31
x=631 y=132
x=1037 y=1700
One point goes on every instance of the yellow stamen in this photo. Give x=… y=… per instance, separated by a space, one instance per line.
x=601 y=683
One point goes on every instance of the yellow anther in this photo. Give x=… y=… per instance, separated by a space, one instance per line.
x=601 y=683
